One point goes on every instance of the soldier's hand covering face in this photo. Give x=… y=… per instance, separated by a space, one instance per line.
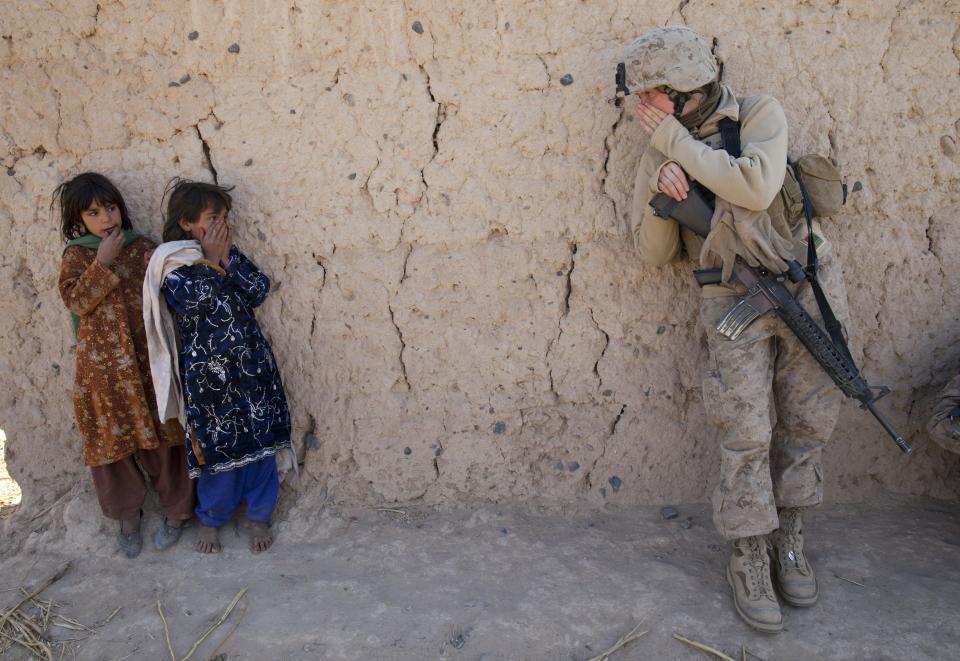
x=648 y=114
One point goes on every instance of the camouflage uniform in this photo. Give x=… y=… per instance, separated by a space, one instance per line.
x=774 y=406
x=943 y=428
x=775 y=409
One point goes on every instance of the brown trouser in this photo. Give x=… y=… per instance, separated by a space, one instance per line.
x=121 y=487
x=763 y=377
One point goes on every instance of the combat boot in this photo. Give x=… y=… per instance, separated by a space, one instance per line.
x=748 y=574
x=792 y=573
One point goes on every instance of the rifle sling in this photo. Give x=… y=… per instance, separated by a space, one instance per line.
x=730 y=136
x=830 y=321
x=730 y=139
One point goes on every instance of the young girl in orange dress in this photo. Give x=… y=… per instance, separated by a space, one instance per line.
x=101 y=284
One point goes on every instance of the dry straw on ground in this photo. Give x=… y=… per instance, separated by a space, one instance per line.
x=623 y=642
x=705 y=648
x=223 y=618
x=30 y=630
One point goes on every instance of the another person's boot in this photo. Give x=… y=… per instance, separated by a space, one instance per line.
x=792 y=573
x=748 y=574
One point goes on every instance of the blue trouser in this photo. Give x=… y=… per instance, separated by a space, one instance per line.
x=219 y=494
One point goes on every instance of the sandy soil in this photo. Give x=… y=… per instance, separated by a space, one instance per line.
x=505 y=584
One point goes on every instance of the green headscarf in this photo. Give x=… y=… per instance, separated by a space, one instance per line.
x=92 y=241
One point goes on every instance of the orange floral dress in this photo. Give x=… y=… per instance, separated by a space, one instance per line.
x=113 y=397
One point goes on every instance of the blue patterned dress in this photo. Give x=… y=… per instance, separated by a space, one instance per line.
x=236 y=407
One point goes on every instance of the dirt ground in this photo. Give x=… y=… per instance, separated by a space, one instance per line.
x=506 y=584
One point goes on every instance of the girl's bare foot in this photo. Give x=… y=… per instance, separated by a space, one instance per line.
x=208 y=540
x=260 y=536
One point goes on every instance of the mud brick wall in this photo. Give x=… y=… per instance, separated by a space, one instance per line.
x=440 y=190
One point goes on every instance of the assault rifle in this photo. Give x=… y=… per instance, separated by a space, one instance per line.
x=766 y=291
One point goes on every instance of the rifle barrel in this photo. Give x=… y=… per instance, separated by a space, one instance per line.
x=894 y=434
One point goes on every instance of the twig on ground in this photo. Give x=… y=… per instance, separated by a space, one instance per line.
x=849 y=580
x=223 y=618
x=55 y=503
x=704 y=648
x=128 y=655
x=109 y=617
x=388 y=509
x=26 y=638
x=624 y=640
x=43 y=586
x=166 y=631
x=236 y=625
x=743 y=652
x=70 y=623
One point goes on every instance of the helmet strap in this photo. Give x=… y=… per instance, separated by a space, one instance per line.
x=679 y=100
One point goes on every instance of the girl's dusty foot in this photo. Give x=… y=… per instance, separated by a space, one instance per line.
x=208 y=540
x=129 y=538
x=260 y=536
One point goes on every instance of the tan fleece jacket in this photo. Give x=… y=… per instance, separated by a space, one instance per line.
x=751 y=181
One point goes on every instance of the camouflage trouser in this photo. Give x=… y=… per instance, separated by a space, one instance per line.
x=775 y=408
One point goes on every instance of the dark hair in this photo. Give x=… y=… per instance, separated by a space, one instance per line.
x=187 y=200
x=76 y=195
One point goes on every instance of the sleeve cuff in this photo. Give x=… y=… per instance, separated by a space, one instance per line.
x=666 y=134
x=212 y=265
x=655 y=178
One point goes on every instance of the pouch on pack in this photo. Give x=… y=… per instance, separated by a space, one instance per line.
x=821 y=177
x=825 y=188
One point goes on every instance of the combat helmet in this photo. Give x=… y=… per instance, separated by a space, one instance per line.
x=674 y=57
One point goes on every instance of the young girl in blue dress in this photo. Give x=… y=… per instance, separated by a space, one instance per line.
x=236 y=410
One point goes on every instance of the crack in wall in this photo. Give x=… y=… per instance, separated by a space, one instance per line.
x=441 y=116
x=323 y=281
x=883 y=295
x=403 y=346
x=931 y=246
x=207 y=159
x=569 y=282
x=890 y=40
x=96 y=23
x=568 y=289
x=616 y=421
x=607 y=148
x=406 y=258
x=613 y=430
x=606 y=344
x=365 y=186
x=546 y=70
x=926 y=231
x=714 y=45
x=56 y=90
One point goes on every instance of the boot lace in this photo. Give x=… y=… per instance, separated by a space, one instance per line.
x=759 y=574
x=791 y=540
